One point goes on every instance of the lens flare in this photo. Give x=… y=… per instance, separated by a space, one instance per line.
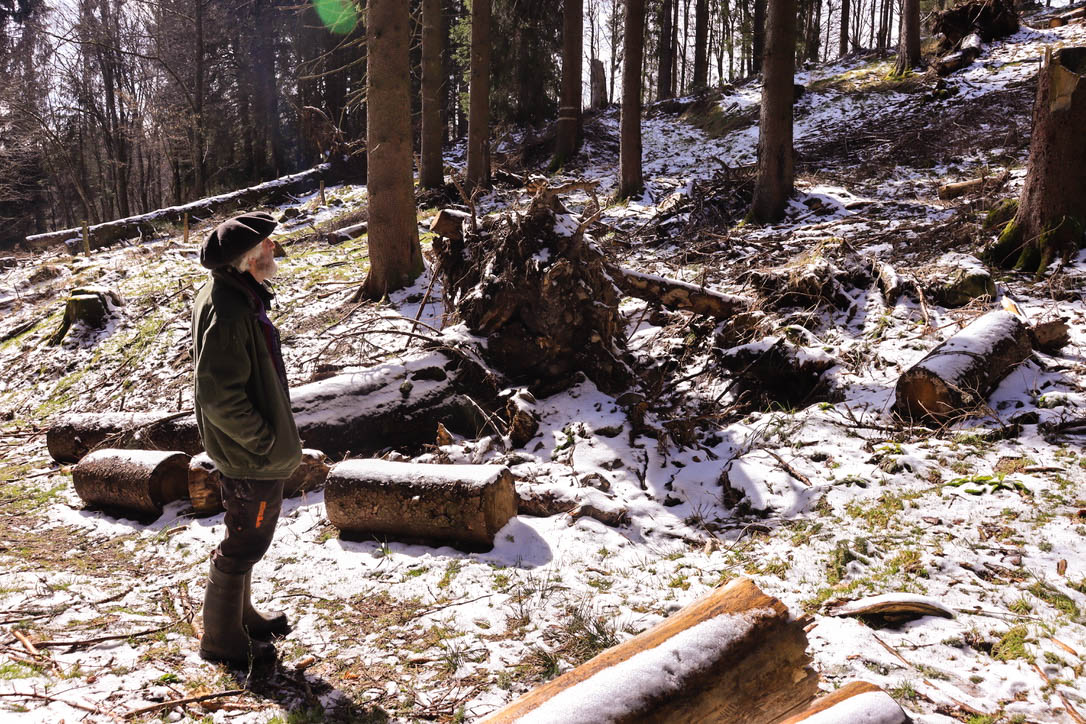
x=339 y=16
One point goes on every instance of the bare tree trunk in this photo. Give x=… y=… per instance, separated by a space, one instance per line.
x=775 y=163
x=569 y=113
x=630 y=181
x=1051 y=216
x=908 y=52
x=431 y=175
x=814 y=30
x=478 y=172
x=758 y=35
x=843 y=48
x=666 y=54
x=701 y=35
x=395 y=255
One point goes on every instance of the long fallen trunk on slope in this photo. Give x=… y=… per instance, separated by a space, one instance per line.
x=735 y=655
x=390 y=405
x=858 y=701
x=134 y=481
x=676 y=294
x=958 y=375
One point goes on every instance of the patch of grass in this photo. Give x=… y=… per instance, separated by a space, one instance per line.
x=904 y=691
x=1012 y=645
x=451 y=571
x=878 y=514
x=1053 y=597
x=10 y=670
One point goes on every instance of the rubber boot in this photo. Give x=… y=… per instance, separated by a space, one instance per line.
x=261 y=625
x=224 y=638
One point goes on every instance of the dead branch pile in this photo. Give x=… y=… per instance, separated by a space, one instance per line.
x=990 y=19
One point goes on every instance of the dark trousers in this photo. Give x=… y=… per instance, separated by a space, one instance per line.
x=252 y=509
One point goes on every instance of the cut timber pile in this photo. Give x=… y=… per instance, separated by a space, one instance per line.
x=957 y=375
x=204 y=480
x=462 y=505
x=140 y=481
x=734 y=656
x=858 y=701
x=540 y=292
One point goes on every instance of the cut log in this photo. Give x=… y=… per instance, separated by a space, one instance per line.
x=779 y=372
x=957 y=375
x=461 y=505
x=1066 y=18
x=76 y=434
x=205 y=480
x=858 y=701
x=676 y=294
x=890 y=283
x=140 y=481
x=1051 y=336
x=735 y=655
x=450 y=223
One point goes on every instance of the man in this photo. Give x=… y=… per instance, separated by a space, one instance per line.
x=243 y=412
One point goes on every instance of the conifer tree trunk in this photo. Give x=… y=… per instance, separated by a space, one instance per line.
x=431 y=175
x=666 y=53
x=629 y=177
x=775 y=163
x=908 y=51
x=1051 y=217
x=701 y=54
x=395 y=255
x=569 y=112
x=758 y=35
x=843 y=49
x=478 y=171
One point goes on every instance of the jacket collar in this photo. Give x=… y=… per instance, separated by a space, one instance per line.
x=259 y=294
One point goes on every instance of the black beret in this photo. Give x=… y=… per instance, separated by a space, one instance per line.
x=233 y=237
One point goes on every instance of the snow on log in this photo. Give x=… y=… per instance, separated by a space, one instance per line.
x=676 y=294
x=735 y=655
x=890 y=283
x=775 y=370
x=140 y=481
x=957 y=375
x=76 y=434
x=204 y=480
x=450 y=223
x=461 y=505
x=267 y=193
x=853 y=703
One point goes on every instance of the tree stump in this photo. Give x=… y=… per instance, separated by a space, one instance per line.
x=460 y=505
x=734 y=656
x=90 y=306
x=205 y=480
x=1051 y=216
x=957 y=375
x=132 y=481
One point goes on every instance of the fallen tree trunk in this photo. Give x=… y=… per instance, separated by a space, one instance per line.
x=140 y=481
x=858 y=701
x=957 y=375
x=463 y=505
x=735 y=656
x=676 y=294
x=390 y=405
x=205 y=480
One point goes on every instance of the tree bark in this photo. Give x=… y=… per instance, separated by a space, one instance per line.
x=855 y=701
x=569 y=111
x=701 y=37
x=462 y=505
x=758 y=35
x=139 y=481
x=676 y=294
x=955 y=377
x=665 y=86
x=478 y=170
x=1051 y=216
x=630 y=181
x=394 y=251
x=843 y=43
x=776 y=170
x=205 y=481
x=735 y=655
x=908 y=53
x=431 y=170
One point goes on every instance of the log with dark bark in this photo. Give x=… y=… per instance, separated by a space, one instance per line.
x=1051 y=218
x=779 y=372
x=735 y=655
x=74 y=435
x=205 y=480
x=990 y=19
x=676 y=294
x=858 y=701
x=539 y=292
x=957 y=376
x=132 y=481
x=461 y=505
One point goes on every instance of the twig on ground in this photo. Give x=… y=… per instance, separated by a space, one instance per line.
x=100 y=639
x=181 y=702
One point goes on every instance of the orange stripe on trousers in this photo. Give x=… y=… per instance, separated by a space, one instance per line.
x=260 y=513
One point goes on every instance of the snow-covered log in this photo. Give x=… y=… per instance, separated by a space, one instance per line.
x=735 y=655
x=957 y=375
x=204 y=480
x=858 y=701
x=461 y=505
x=139 y=481
x=74 y=435
x=133 y=227
x=676 y=294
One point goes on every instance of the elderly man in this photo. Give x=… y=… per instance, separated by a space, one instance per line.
x=243 y=412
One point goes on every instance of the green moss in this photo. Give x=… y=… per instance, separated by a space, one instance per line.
x=1009 y=242
x=1001 y=214
x=1053 y=597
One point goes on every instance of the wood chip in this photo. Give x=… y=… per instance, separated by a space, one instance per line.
x=1061 y=567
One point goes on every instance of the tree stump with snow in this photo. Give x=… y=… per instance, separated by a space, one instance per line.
x=735 y=655
x=539 y=291
x=205 y=480
x=90 y=306
x=957 y=279
x=955 y=377
x=858 y=701
x=1051 y=217
x=459 y=505
x=132 y=481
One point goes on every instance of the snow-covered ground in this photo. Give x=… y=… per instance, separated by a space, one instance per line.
x=986 y=519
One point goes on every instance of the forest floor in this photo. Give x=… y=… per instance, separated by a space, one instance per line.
x=830 y=498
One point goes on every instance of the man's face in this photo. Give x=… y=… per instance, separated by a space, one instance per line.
x=264 y=267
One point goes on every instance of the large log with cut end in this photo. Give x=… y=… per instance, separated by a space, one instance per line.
x=205 y=480
x=462 y=505
x=734 y=656
x=957 y=375
x=858 y=701
x=676 y=294
x=76 y=434
x=140 y=481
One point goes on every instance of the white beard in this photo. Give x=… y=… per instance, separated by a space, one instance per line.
x=264 y=268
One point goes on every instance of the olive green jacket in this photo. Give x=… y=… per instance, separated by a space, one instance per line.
x=242 y=404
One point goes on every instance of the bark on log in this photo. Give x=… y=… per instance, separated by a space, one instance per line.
x=957 y=375
x=858 y=701
x=676 y=294
x=890 y=283
x=779 y=372
x=461 y=505
x=74 y=435
x=734 y=656
x=205 y=480
x=140 y=481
